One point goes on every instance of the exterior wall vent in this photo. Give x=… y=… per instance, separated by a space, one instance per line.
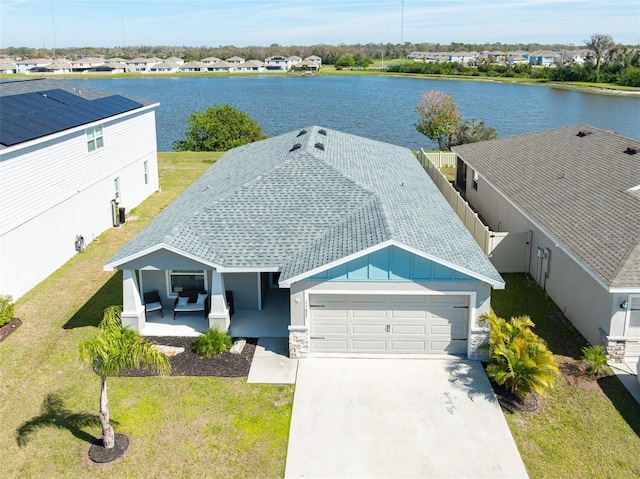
x=295 y=147
x=302 y=132
x=582 y=133
x=632 y=150
x=319 y=146
x=322 y=132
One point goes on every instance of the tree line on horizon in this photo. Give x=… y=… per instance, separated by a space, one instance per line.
x=329 y=53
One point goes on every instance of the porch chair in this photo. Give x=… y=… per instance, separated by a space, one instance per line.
x=152 y=302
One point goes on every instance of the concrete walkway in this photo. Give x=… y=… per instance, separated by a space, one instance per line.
x=398 y=418
x=271 y=363
x=627 y=373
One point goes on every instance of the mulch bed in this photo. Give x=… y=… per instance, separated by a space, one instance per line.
x=10 y=327
x=100 y=455
x=189 y=363
x=511 y=403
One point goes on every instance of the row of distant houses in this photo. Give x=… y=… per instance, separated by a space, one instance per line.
x=543 y=57
x=158 y=65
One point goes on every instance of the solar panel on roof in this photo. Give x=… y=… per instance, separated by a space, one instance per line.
x=28 y=116
x=63 y=96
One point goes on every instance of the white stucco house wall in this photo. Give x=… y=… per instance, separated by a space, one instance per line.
x=351 y=234
x=70 y=157
x=577 y=189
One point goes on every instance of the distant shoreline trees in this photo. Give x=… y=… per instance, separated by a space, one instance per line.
x=608 y=62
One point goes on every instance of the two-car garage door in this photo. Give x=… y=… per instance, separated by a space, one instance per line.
x=393 y=324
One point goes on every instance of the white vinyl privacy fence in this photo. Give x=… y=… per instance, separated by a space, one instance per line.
x=509 y=251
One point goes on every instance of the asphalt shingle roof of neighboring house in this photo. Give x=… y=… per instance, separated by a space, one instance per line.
x=578 y=188
x=299 y=201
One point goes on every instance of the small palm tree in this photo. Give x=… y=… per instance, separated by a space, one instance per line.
x=518 y=358
x=115 y=349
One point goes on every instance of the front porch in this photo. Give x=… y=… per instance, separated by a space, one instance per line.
x=271 y=322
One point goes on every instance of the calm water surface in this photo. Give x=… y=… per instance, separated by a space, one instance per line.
x=377 y=107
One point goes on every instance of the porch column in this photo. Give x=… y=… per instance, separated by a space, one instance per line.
x=132 y=307
x=219 y=313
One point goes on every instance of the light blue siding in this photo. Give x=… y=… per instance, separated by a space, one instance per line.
x=391 y=264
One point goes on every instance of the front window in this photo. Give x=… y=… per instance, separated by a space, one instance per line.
x=186 y=280
x=94 y=138
x=474 y=176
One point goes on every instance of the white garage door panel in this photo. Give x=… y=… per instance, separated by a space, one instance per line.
x=362 y=346
x=388 y=323
x=368 y=328
x=408 y=346
x=328 y=345
x=419 y=329
x=330 y=328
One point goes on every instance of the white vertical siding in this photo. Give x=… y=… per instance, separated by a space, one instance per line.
x=55 y=190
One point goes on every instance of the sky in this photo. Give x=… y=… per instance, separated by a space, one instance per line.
x=112 y=23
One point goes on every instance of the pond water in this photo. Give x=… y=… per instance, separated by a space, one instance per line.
x=377 y=107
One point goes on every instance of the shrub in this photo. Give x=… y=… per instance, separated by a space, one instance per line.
x=595 y=357
x=6 y=309
x=518 y=358
x=213 y=342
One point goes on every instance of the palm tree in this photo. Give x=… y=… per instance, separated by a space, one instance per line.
x=114 y=349
x=518 y=358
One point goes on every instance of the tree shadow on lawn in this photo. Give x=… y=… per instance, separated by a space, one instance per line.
x=622 y=400
x=54 y=414
x=91 y=313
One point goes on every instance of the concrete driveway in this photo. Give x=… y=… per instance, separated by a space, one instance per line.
x=398 y=418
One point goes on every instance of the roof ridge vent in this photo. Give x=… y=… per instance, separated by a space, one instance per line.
x=302 y=132
x=632 y=150
x=295 y=147
x=320 y=146
x=582 y=133
x=322 y=132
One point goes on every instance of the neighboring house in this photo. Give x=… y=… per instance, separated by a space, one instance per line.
x=235 y=60
x=70 y=157
x=463 y=57
x=314 y=60
x=277 y=63
x=543 y=58
x=83 y=64
x=177 y=60
x=25 y=65
x=221 y=66
x=8 y=67
x=193 y=67
x=165 y=67
x=210 y=60
x=142 y=64
x=577 y=189
x=251 y=66
x=369 y=254
x=294 y=60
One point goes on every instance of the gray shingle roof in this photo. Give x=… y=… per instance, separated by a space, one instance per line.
x=268 y=205
x=574 y=187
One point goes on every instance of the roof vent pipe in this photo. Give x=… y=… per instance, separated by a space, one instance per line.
x=319 y=146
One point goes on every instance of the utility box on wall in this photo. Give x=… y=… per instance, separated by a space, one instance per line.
x=121 y=215
x=115 y=213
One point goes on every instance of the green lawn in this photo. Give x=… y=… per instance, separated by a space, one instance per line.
x=213 y=427
x=179 y=427
x=585 y=427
